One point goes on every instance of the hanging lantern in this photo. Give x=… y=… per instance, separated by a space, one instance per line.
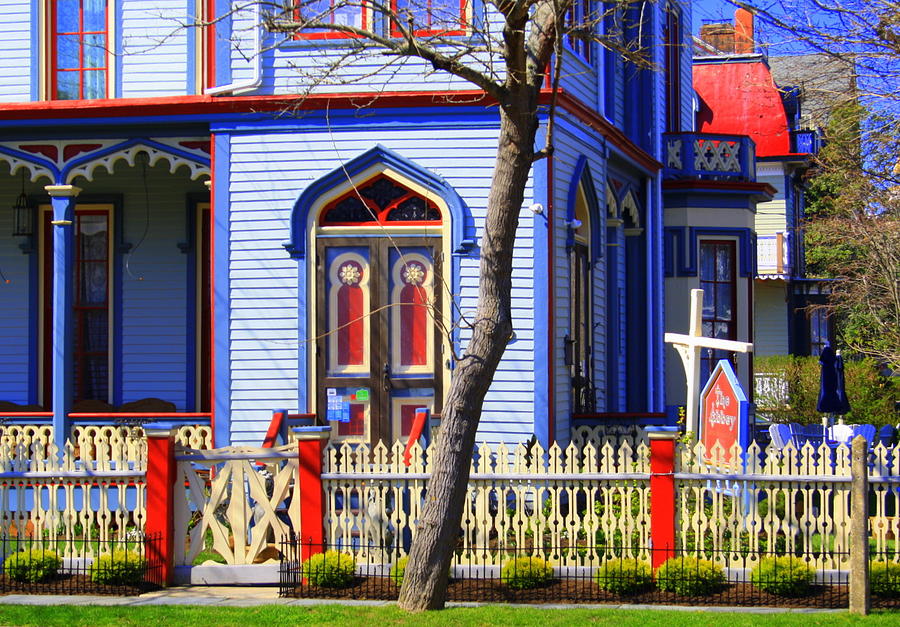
x=23 y=214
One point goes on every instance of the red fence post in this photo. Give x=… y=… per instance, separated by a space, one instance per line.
x=662 y=493
x=160 y=524
x=311 y=443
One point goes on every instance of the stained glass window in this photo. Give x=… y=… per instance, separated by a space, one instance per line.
x=380 y=200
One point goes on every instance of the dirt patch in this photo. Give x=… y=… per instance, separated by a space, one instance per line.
x=69 y=584
x=577 y=591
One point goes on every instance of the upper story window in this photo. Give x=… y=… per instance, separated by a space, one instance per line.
x=672 y=39
x=330 y=12
x=582 y=22
x=78 y=49
x=427 y=17
x=431 y=17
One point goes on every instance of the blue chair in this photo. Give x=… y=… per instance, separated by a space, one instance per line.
x=887 y=435
x=866 y=431
x=780 y=435
x=814 y=434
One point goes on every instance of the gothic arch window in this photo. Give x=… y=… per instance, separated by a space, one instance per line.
x=630 y=211
x=380 y=200
x=612 y=204
x=580 y=341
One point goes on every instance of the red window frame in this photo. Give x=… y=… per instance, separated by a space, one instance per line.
x=54 y=35
x=708 y=285
x=672 y=38
x=425 y=32
x=79 y=309
x=364 y=23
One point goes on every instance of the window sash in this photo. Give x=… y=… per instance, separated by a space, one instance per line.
x=79 y=56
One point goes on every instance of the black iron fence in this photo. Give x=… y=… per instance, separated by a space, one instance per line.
x=79 y=566
x=884 y=578
x=589 y=575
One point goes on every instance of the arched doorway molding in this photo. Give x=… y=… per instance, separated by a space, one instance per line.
x=455 y=231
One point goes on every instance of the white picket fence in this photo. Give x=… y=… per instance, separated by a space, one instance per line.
x=570 y=504
x=95 y=490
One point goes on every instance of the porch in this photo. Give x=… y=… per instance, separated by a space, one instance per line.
x=105 y=262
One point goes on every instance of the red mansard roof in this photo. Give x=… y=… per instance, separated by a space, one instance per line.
x=740 y=98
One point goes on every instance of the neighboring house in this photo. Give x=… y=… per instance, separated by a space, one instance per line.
x=770 y=100
x=192 y=243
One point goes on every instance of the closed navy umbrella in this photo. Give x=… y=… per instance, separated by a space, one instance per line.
x=832 y=395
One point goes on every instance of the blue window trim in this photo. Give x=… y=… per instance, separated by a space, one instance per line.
x=680 y=249
x=581 y=176
x=462 y=226
x=221 y=218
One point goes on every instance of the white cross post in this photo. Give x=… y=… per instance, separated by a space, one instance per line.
x=689 y=346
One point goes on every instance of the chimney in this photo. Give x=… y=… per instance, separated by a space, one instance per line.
x=729 y=38
x=743 y=32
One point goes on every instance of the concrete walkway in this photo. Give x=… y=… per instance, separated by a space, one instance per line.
x=249 y=596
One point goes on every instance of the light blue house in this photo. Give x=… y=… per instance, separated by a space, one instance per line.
x=196 y=242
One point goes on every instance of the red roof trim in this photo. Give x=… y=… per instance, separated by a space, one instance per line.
x=208 y=105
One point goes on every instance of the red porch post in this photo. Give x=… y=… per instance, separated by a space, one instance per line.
x=160 y=479
x=662 y=493
x=311 y=443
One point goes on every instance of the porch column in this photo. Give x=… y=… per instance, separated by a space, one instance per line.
x=62 y=199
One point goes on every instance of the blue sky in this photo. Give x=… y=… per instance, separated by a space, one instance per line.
x=714 y=10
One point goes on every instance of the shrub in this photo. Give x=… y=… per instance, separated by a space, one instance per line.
x=871 y=393
x=398 y=570
x=330 y=569
x=119 y=568
x=689 y=576
x=523 y=573
x=32 y=566
x=788 y=576
x=624 y=576
x=884 y=578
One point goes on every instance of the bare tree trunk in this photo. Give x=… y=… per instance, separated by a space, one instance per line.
x=425 y=579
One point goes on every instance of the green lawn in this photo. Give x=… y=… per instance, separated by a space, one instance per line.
x=384 y=616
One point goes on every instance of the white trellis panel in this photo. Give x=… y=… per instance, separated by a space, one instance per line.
x=235 y=495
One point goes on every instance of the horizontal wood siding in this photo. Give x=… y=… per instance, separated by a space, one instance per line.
x=14 y=327
x=770 y=326
x=571 y=143
x=269 y=171
x=770 y=216
x=154 y=59
x=580 y=78
x=17 y=51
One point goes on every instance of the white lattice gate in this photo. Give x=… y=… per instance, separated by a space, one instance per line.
x=237 y=502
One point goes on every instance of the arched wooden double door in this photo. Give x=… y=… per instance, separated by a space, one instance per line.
x=378 y=312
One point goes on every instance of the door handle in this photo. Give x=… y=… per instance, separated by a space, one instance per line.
x=386 y=378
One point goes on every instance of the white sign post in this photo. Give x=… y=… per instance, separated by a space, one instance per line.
x=689 y=347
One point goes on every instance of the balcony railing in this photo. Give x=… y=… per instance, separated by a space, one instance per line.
x=772 y=255
x=707 y=156
x=805 y=142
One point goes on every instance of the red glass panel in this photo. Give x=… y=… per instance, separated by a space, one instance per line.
x=350 y=322
x=413 y=316
x=357 y=424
